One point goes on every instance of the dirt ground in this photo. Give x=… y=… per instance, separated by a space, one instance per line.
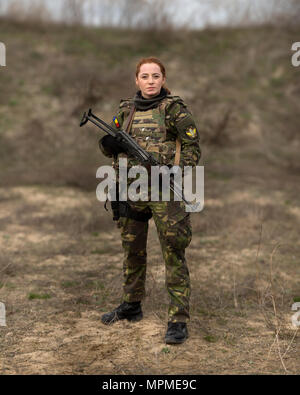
x=60 y=251
x=61 y=263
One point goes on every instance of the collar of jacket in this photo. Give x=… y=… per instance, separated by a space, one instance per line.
x=142 y=104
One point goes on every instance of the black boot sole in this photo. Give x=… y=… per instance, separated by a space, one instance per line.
x=175 y=341
x=134 y=318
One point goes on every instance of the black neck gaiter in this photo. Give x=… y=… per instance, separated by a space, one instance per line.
x=142 y=104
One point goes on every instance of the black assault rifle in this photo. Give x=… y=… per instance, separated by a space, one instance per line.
x=132 y=148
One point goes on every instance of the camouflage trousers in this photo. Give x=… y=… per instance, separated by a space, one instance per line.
x=174 y=230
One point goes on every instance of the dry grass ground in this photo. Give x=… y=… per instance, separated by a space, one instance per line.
x=60 y=252
x=61 y=263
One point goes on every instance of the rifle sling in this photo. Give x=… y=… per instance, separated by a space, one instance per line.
x=129 y=120
x=177 y=154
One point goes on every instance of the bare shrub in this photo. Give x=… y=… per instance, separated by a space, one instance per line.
x=73 y=12
x=285 y=13
x=33 y=12
x=249 y=13
x=136 y=14
x=216 y=132
x=100 y=84
x=159 y=15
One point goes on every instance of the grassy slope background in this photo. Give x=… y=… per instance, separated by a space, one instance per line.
x=60 y=252
x=239 y=83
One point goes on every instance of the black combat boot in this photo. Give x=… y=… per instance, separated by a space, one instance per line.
x=176 y=333
x=131 y=311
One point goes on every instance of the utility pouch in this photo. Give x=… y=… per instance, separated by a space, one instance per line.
x=115 y=206
x=123 y=209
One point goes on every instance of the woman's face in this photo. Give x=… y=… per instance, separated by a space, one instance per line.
x=150 y=80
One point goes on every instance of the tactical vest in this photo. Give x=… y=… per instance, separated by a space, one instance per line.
x=148 y=128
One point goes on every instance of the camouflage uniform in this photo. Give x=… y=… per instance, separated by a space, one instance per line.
x=156 y=131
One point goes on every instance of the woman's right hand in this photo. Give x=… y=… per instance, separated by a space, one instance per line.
x=111 y=145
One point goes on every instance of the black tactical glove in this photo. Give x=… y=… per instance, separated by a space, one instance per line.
x=111 y=145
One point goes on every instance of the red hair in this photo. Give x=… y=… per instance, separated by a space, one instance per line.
x=152 y=59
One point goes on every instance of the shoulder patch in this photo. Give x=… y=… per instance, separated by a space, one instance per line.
x=191 y=132
x=116 y=122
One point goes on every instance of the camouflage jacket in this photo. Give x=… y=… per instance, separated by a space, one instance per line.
x=156 y=131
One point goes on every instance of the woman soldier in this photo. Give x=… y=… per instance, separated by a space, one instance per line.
x=163 y=126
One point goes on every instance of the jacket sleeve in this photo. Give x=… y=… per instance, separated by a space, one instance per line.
x=183 y=123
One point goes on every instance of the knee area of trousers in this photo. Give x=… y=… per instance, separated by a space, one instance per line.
x=179 y=236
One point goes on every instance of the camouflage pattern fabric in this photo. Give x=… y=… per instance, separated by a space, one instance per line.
x=156 y=130
x=174 y=230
